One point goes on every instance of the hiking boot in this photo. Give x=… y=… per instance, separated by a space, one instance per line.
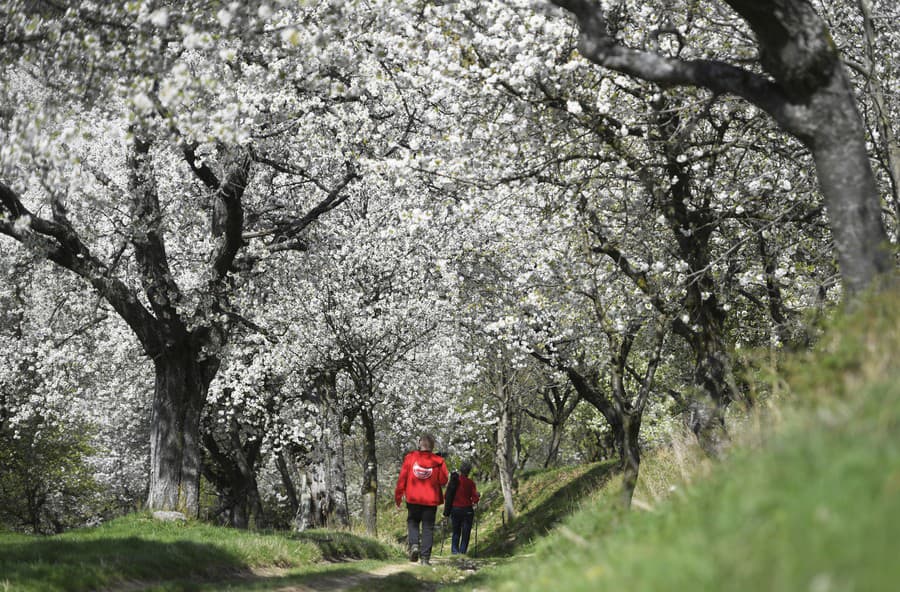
x=425 y=561
x=414 y=553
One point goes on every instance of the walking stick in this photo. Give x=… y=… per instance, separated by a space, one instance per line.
x=475 y=546
x=443 y=533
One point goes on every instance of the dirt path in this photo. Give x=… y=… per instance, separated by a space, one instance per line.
x=255 y=579
x=333 y=583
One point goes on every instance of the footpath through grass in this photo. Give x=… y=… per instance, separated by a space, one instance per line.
x=173 y=556
x=810 y=502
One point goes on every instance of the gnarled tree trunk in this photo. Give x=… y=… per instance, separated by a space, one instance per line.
x=179 y=395
x=323 y=501
x=331 y=495
x=330 y=481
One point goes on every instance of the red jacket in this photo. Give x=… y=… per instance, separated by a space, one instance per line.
x=421 y=477
x=466 y=494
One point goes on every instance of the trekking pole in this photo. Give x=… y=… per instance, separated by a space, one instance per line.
x=443 y=533
x=475 y=546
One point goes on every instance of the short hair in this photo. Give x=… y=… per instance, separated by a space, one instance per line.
x=465 y=468
x=427 y=440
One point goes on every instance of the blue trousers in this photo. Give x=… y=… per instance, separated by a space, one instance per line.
x=462 y=519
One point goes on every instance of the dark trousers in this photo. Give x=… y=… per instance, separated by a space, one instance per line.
x=419 y=516
x=462 y=519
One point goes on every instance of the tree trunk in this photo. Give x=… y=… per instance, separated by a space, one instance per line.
x=329 y=488
x=334 y=495
x=181 y=387
x=370 y=475
x=34 y=510
x=631 y=408
x=560 y=402
x=325 y=484
x=320 y=494
x=305 y=516
x=777 y=310
x=631 y=456
x=586 y=389
x=848 y=186
x=289 y=482
x=246 y=489
x=520 y=454
x=556 y=431
x=340 y=473
x=248 y=509
x=820 y=110
x=712 y=374
x=504 y=458
x=327 y=504
x=231 y=467
x=240 y=514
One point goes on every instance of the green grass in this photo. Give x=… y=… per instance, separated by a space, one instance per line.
x=138 y=548
x=810 y=502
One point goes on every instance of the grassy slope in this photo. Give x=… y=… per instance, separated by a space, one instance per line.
x=543 y=499
x=137 y=548
x=813 y=504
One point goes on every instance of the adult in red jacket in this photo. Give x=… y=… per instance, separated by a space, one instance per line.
x=462 y=510
x=421 y=477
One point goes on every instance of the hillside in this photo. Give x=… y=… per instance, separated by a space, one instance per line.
x=811 y=501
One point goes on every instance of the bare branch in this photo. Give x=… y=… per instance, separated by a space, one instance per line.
x=652 y=365
x=80 y=331
x=203 y=172
x=288 y=230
